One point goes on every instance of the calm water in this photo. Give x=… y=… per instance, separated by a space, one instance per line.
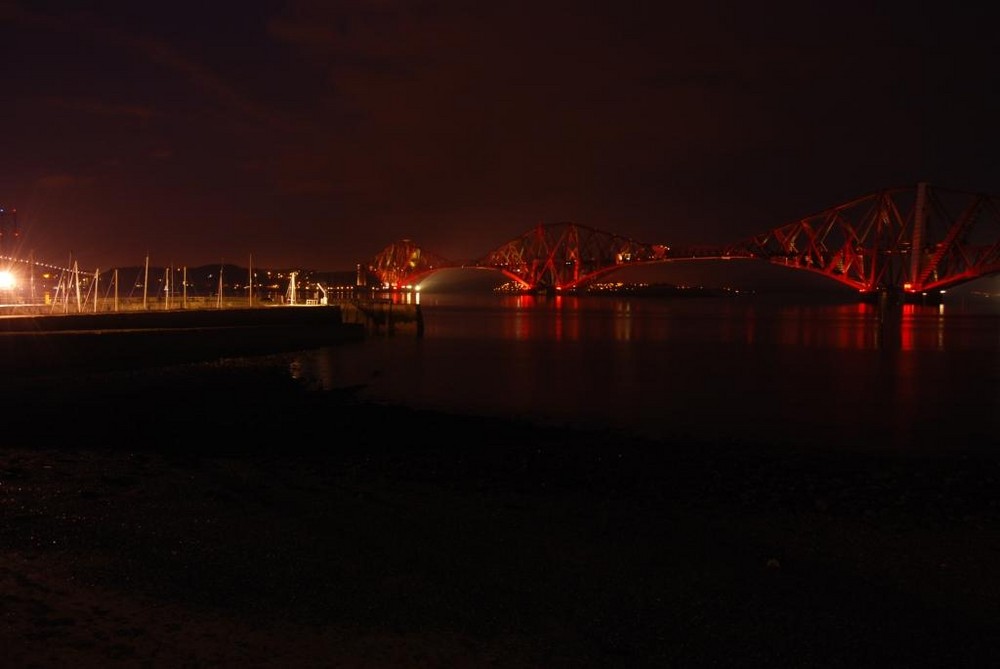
x=922 y=379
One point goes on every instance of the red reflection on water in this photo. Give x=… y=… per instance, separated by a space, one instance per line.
x=623 y=320
x=564 y=326
x=567 y=318
x=907 y=328
x=923 y=327
x=404 y=297
x=847 y=326
x=862 y=312
x=521 y=325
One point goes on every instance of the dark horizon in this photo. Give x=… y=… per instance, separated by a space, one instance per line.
x=744 y=274
x=314 y=135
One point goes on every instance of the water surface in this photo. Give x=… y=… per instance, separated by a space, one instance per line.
x=773 y=371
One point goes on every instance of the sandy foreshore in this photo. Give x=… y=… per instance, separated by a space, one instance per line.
x=243 y=520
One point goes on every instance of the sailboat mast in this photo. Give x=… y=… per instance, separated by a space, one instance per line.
x=145 y=283
x=68 y=275
x=76 y=279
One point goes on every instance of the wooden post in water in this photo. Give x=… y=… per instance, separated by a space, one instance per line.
x=184 y=293
x=250 y=284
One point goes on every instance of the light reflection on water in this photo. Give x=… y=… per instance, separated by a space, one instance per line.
x=815 y=376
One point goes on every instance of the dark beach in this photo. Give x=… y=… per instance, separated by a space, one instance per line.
x=224 y=514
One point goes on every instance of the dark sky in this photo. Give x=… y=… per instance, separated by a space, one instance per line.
x=312 y=134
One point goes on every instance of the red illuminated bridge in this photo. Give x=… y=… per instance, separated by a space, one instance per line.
x=912 y=240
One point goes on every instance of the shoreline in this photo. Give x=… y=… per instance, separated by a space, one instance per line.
x=315 y=535
x=60 y=343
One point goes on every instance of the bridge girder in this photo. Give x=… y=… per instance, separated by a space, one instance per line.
x=906 y=239
x=558 y=256
x=403 y=263
x=913 y=239
x=564 y=256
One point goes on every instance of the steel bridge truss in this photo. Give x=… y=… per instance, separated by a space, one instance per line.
x=403 y=263
x=563 y=256
x=557 y=256
x=912 y=240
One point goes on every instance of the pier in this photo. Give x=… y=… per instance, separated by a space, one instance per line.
x=42 y=344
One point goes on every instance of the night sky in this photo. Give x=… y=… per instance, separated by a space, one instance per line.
x=312 y=134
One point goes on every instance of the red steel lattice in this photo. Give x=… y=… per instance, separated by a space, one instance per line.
x=562 y=256
x=907 y=239
x=404 y=263
x=914 y=239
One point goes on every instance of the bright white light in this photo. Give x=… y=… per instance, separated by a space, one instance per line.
x=6 y=280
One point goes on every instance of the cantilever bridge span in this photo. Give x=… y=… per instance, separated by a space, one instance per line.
x=911 y=239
